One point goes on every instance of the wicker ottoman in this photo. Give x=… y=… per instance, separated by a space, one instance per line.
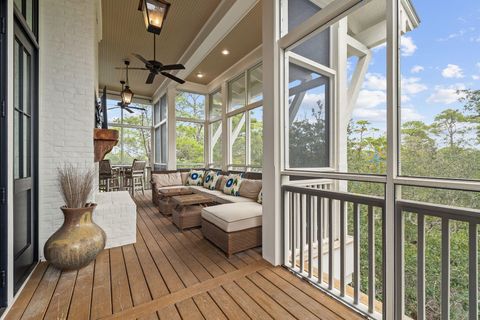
x=233 y=227
x=166 y=206
x=187 y=217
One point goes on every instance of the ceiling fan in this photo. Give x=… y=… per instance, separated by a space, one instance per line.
x=156 y=67
x=126 y=106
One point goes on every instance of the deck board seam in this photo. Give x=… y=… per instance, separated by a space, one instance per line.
x=171 y=253
x=179 y=248
x=189 y=292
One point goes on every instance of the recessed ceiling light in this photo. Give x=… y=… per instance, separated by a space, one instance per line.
x=225 y=52
x=199 y=75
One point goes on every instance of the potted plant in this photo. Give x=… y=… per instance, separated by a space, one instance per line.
x=79 y=239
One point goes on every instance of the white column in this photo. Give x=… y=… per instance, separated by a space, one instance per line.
x=171 y=129
x=272 y=232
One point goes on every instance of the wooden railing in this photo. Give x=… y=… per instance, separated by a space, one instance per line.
x=313 y=216
x=331 y=240
x=447 y=216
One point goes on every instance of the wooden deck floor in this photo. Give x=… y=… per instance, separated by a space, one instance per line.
x=168 y=274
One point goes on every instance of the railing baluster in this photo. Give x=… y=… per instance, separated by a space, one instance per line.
x=309 y=226
x=330 y=244
x=292 y=227
x=445 y=281
x=302 y=241
x=473 y=271
x=421 y=267
x=371 y=259
x=342 y=248
x=320 y=239
x=356 y=252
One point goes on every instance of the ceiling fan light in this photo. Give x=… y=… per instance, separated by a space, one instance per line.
x=154 y=14
x=127 y=95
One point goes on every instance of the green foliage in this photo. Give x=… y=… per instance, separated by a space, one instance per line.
x=136 y=142
x=308 y=146
x=442 y=149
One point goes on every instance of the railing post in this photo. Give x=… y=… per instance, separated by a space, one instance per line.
x=445 y=280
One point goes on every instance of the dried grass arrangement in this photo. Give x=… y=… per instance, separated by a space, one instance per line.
x=76 y=185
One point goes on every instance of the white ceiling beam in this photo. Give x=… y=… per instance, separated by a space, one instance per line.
x=356 y=48
x=373 y=36
x=227 y=15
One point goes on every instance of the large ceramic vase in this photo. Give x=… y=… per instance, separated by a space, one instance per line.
x=77 y=242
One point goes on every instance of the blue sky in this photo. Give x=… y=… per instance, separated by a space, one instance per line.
x=439 y=57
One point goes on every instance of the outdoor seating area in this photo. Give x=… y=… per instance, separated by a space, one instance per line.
x=226 y=205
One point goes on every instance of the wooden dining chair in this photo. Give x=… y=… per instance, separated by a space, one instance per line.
x=135 y=176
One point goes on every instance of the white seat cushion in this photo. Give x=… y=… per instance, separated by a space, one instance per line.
x=232 y=217
x=234 y=199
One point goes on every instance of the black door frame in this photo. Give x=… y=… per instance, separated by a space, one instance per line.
x=3 y=157
x=22 y=31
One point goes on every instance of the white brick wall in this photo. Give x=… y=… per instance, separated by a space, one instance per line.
x=116 y=214
x=67 y=86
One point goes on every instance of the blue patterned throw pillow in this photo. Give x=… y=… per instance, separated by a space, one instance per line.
x=232 y=185
x=195 y=178
x=210 y=180
x=260 y=197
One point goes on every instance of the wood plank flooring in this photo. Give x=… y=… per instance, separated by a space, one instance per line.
x=169 y=274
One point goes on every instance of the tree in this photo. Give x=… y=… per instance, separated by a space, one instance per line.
x=450 y=125
x=135 y=140
x=471 y=98
x=190 y=135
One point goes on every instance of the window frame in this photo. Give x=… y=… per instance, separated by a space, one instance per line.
x=206 y=153
x=245 y=110
x=158 y=125
x=331 y=74
x=121 y=126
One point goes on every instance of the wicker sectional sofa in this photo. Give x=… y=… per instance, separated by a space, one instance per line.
x=234 y=224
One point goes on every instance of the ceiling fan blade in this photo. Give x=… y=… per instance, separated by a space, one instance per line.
x=173 y=67
x=128 y=109
x=138 y=108
x=123 y=68
x=139 y=57
x=168 y=75
x=113 y=108
x=151 y=77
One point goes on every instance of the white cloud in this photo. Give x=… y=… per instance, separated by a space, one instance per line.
x=477 y=65
x=372 y=115
x=410 y=114
x=446 y=95
x=452 y=71
x=453 y=35
x=368 y=99
x=412 y=85
x=476 y=77
x=311 y=99
x=407 y=46
x=375 y=81
x=475 y=39
x=417 y=69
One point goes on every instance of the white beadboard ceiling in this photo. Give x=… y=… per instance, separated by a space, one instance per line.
x=124 y=33
x=240 y=41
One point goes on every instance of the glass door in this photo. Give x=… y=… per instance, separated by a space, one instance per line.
x=24 y=156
